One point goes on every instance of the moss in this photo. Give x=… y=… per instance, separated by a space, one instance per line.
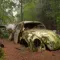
x=32 y=47
x=55 y=44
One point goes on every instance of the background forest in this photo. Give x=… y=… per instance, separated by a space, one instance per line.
x=46 y=11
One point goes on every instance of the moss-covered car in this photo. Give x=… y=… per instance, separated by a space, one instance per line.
x=34 y=34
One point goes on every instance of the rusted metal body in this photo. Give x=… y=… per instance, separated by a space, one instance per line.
x=34 y=34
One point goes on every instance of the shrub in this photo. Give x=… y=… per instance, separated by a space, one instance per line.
x=1 y=54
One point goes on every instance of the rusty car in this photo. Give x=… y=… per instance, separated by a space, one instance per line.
x=34 y=34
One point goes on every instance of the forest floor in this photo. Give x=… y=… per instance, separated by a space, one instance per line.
x=17 y=52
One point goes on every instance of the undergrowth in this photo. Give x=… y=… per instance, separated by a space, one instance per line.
x=1 y=54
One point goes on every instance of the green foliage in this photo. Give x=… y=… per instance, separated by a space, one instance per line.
x=29 y=11
x=6 y=8
x=58 y=23
x=3 y=33
x=1 y=54
x=47 y=11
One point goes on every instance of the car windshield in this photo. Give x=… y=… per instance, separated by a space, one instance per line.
x=33 y=25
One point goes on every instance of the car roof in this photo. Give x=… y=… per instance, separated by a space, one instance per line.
x=30 y=22
x=25 y=22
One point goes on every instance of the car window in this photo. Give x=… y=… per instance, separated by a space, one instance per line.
x=33 y=25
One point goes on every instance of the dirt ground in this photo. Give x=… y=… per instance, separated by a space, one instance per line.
x=17 y=52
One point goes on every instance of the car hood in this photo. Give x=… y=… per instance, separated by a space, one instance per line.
x=42 y=33
x=48 y=37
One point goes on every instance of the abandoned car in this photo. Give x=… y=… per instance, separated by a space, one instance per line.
x=34 y=34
